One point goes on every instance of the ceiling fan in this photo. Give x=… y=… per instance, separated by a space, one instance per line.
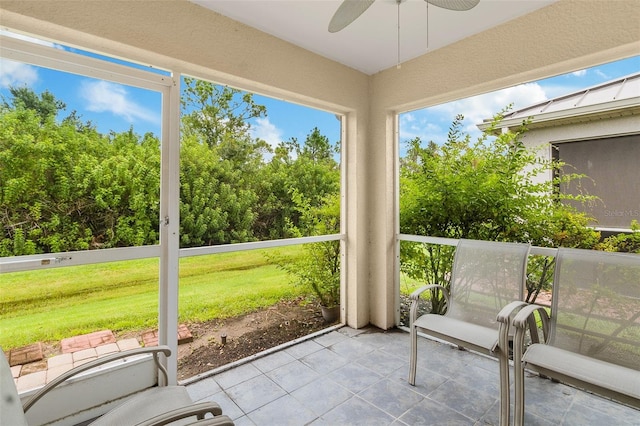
x=350 y=10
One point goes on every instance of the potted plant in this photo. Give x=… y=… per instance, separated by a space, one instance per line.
x=321 y=273
x=318 y=266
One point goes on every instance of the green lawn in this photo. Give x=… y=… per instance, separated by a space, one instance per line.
x=52 y=304
x=408 y=285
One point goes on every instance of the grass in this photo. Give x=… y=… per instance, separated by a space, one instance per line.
x=49 y=305
x=408 y=285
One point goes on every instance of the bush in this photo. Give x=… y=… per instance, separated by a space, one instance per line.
x=627 y=243
x=317 y=269
x=485 y=190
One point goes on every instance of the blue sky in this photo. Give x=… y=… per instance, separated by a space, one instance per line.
x=112 y=106
x=433 y=123
x=117 y=107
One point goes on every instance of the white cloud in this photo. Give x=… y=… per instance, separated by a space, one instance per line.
x=481 y=107
x=433 y=123
x=416 y=125
x=408 y=117
x=263 y=129
x=554 y=90
x=602 y=75
x=103 y=96
x=17 y=74
x=580 y=73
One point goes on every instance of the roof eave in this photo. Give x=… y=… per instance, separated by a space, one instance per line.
x=617 y=108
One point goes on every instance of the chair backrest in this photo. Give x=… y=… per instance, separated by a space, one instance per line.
x=486 y=276
x=595 y=310
x=11 y=412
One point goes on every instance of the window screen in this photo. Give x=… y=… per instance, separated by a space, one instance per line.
x=613 y=168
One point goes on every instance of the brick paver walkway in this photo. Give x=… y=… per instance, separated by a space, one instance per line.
x=25 y=354
x=30 y=369
x=150 y=338
x=86 y=341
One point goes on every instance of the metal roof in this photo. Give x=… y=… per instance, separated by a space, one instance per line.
x=616 y=97
x=622 y=88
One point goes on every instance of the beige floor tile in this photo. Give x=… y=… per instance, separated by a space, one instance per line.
x=60 y=360
x=30 y=381
x=84 y=354
x=127 y=344
x=107 y=349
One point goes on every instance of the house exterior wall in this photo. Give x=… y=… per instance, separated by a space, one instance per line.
x=611 y=167
x=613 y=210
x=180 y=36
x=542 y=139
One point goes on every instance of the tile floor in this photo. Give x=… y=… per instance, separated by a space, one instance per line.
x=359 y=377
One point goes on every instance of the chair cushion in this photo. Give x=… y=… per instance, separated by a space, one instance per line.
x=588 y=371
x=146 y=404
x=462 y=333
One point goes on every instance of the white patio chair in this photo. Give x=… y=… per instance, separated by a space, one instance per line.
x=155 y=406
x=487 y=286
x=593 y=338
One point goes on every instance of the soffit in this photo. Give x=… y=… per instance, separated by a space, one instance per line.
x=370 y=43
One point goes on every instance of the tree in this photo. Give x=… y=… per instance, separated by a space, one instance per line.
x=65 y=186
x=481 y=190
x=308 y=170
x=36 y=168
x=317 y=148
x=216 y=205
x=46 y=105
x=219 y=117
x=623 y=242
x=125 y=189
x=67 y=189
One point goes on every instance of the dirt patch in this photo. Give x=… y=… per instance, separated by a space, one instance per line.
x=246 y=335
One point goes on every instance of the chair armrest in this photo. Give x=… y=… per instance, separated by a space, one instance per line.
x=505 y=313
x=504 y=318
x=155 y=350
x=416 y=294
x=526 y=318
x=198 y=409
x=214 y=421
x=521 y=320
x=415 y=297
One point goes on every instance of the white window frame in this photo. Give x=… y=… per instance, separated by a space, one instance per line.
x=168 y=251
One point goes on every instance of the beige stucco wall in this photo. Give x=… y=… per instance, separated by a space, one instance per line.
x=183 y=37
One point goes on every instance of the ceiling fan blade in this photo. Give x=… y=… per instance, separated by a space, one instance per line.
x=458 y=5
x=348 y=12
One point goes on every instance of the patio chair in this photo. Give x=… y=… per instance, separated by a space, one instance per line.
x=181 y=414
x=486 y=288
x=592 y=338
x=155 y=406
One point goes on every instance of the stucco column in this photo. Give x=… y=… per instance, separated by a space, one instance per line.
x=355 y=302
x=380 y=220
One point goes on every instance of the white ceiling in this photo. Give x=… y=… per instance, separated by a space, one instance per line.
x=370 y=44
